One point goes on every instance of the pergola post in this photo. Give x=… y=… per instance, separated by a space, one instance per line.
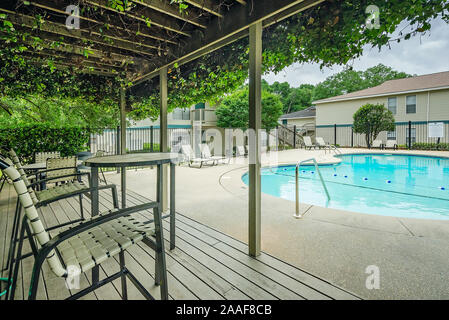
x=163 y=132
x=255 y=111
x=123 y=142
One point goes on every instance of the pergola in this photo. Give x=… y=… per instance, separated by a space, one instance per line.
x=146 y=38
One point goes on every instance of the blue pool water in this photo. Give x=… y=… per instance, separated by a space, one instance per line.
x=382 y=184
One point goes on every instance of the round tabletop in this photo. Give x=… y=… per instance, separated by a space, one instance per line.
x=132 y=160
x=42 y=165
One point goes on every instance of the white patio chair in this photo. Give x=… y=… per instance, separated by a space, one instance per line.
x=377 y=144
x=308 y=143
x=391 y=144
x=85 y=246
x=240 y=151
x=206 y=154
x=321 y=143
x=189 y=154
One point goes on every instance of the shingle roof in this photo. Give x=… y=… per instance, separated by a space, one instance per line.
x=306 y=113
x=428 y=81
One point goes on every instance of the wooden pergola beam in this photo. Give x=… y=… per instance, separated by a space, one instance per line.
x=168 y=9
x=153 y=17
x=54 y=43
x=137 y=31
x=233 y=27
x=206 y=5
x=90 y=62
x=64 y=66
x=60 y=29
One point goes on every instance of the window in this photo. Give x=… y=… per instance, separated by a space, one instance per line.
x=181 y=114
x=413 y=136
x=392 y=104
x=411 y=104
x=391 y=135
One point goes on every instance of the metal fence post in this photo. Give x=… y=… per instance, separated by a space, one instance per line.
x=335 y=134
x=151 y=138
x=352 y=137
x=117 y=144
x=409 y=135
x=294 y=136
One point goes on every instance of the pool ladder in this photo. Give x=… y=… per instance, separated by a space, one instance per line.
x=297 y=215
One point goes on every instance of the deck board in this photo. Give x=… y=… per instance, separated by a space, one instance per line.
x=206 y=263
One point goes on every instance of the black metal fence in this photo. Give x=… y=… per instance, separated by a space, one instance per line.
x=138 y=139
x=406 y=133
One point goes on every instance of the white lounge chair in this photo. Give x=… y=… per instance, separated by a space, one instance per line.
x=308 y=142
x=189 y=154
x=206 y=154
x=391 y=144
x=240 y=151
x=321 y=143
x=377 y=144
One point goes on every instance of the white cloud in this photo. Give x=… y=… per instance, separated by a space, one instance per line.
x=419 y=55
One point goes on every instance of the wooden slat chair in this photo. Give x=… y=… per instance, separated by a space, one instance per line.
x=43 y=156
x=88 y=244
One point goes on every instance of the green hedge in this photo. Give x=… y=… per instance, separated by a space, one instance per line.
x=431 y=146
x=26 y=140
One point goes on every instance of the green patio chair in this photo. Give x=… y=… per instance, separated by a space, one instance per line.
x=87 y=244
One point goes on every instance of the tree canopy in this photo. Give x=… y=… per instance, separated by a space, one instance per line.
x=333 y=32
x=372 y=119
x=349 y=80
x=233 y=111
x=346 y=81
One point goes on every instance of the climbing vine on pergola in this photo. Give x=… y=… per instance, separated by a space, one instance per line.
x=124 y=43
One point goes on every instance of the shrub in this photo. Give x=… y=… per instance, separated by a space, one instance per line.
x=28 y=139
x=430 y=146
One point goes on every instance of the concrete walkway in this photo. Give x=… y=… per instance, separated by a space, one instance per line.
x=412 y=255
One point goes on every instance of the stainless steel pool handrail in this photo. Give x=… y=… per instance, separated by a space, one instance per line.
x=298 y=164
x=331 y=148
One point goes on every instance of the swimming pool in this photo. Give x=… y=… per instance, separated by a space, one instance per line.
x=384 y=184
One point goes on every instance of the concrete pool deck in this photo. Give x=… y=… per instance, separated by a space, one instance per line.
x=412 y=254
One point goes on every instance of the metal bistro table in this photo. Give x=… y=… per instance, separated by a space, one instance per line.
x=136 y=160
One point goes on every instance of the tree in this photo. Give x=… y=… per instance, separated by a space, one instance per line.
x=233 y=112
x=293 y=99
x=372 y=119
x=349 y=80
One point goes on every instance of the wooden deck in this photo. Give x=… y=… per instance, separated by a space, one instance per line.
x=206 y=264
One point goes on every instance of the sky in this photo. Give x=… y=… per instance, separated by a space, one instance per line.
x=419 y=55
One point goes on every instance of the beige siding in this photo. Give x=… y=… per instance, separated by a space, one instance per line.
x=430 y=106
x=301 y=121
x=343 y=111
